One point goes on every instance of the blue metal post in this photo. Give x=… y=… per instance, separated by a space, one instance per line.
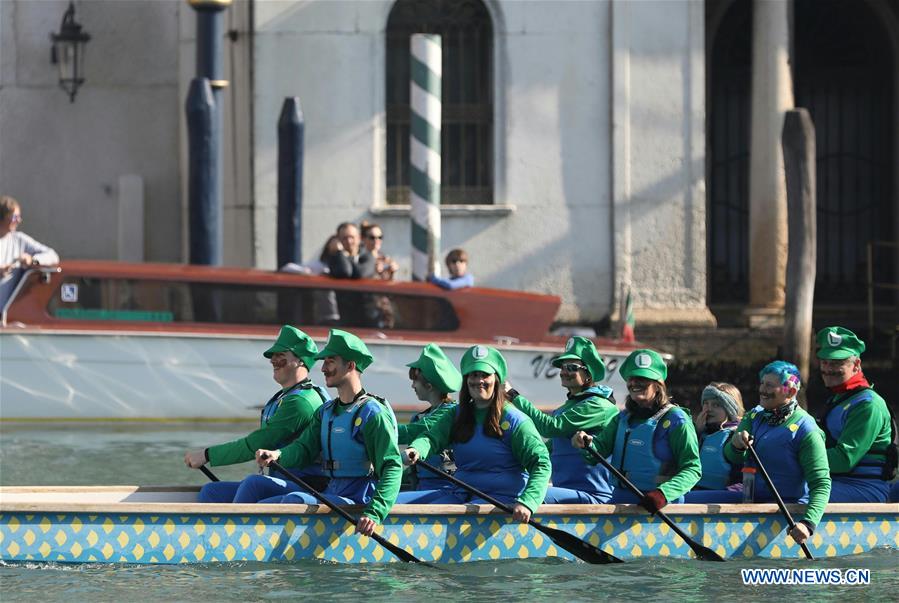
x=205 y=208
x=204 y=119
x=290 y=181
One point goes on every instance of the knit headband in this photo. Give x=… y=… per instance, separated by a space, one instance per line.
x=724 y=399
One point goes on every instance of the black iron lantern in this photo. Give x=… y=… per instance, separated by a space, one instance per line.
x=68 y=52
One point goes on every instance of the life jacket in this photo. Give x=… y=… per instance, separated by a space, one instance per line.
x=342 y=439
x=778 y=449
x=443 y=459
x=269 y=410
x=642 y=453
x=875 y=464
x=716 y=470
x=487 y=463
x=570 y=469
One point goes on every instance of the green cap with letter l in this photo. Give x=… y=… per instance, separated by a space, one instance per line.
x=347 y=346
x=485 y=359
x=291 y=339
x=837 y=343
x=644 y=363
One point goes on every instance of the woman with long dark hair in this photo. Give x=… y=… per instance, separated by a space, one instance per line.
x=496 y=447
x=652 y=441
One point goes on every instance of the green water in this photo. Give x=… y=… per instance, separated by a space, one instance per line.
x=152 y=454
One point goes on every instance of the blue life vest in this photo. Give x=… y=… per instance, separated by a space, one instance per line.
x=778 y=449
x=642 y=452
x=425 y=480
x=342 y=438
x=272 y=406
x=488 y=463
x=570 y=468
x=716 y=470
x=869 y=466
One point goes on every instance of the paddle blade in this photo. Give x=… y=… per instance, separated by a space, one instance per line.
x=401 y=554
x=704 y=553
x=581 y=549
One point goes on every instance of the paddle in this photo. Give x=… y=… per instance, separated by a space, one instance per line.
x=702 y=552
x=208 y=473
x=780 y=502
x=571 y=543
x=400 y=553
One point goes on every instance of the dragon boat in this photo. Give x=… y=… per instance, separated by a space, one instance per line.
x=112 y=340
x=165 y=525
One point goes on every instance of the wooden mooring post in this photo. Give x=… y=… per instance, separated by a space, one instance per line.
x=798 y=140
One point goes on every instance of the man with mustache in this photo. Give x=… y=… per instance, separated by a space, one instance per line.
x=856 y=421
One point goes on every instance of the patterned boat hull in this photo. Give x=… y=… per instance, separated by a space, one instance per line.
x=35 y=529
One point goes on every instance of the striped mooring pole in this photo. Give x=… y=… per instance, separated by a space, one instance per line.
x=424 y=153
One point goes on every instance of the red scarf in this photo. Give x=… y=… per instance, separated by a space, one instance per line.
x=854 y=382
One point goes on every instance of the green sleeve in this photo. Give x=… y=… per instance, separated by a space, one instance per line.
x=590 y=415
x=379 y=432
x=410 y=431
x=437 y=436
x=734 y=456
x=813 y=459
x=306 y=448
x=603 y=443
x=293 y=415
x=685 y=447
x=531 y=452
x=867 y=425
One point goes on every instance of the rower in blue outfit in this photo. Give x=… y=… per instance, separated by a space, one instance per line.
x=286 y=414
x=354 y=435
x=722 y=410
x=434 y=379
x=588 y=407
x=861 y=449
x=496 y=447
x=789 y=445
x=652 y=441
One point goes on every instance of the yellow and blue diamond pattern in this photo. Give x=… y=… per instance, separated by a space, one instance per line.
x=210 y=538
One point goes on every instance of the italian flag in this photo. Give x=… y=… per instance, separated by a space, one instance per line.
x=627 y=325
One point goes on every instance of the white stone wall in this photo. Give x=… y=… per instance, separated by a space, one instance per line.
x=569 y=180
x=63 y=160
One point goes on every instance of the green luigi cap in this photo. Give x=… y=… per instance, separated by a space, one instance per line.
x=644 y=363
x=291 y=339
x=581 y=348
x=837 y=343
x=485 y=359
x=347 y=346
x=437 y=369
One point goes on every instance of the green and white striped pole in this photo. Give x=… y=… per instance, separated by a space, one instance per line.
x=424 y=153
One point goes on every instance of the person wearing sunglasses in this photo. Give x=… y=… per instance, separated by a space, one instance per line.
x=652 y=441
x=588 y=406
x=459 y=277
x=372 y=239
x=18 y=251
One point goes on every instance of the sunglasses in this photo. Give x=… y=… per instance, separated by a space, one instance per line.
x=375 y=237
x=572 y=367
x=16 y=219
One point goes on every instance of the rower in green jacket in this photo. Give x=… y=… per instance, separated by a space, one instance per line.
x=652 y=441
x=789 y=445
x=434 y=379
x=354 y=435
x=496 y=447
x=856 y=422
x=286 y=414
x=588 y=407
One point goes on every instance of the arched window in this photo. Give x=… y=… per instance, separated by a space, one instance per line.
x=467 y=126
